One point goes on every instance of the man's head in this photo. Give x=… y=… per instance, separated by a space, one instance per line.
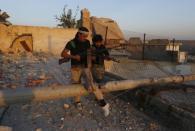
x=82 y=34
x=97 y=40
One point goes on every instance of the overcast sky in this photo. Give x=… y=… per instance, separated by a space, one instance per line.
x=173 y=18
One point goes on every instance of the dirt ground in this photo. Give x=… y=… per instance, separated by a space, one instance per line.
x=40 y=69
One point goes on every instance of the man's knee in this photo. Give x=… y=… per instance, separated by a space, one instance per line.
x=76 y=75
x=77 y=98
x=98 y=75
x=98 y=93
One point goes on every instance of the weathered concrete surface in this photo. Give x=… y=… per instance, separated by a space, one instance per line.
x=22 y=43
x=85 y=18
x=136 y=69
x=45 y=39
x=40 y=70
x=156 y=52
x=135 y=41
x=174 y=105
x=109 y=30
x=180 y=98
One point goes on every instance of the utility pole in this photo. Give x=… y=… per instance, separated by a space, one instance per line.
x=143 y=48
x=173 y=49
x=24 y=95
x=105 y=42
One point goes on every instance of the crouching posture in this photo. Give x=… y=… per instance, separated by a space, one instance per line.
x=78 y=48
x=100 y=54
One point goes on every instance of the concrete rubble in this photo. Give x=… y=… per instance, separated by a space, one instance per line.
x=28 y=70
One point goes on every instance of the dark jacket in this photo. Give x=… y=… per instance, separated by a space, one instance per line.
x=100 y=54
x=77 y=47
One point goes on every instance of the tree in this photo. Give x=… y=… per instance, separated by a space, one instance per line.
x=66 y=19
x=3 y=18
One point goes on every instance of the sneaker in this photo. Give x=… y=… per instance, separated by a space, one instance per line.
x=79 y=106
x=106 y=110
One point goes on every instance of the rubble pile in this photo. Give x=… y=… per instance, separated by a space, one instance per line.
x=28 y=70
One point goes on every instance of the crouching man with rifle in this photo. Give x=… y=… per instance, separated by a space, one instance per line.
x=100 y=53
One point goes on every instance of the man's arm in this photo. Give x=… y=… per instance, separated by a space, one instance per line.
x=65 y=54
x=106 y=53
x=107 y=56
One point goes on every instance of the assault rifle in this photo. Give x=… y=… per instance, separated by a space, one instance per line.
x=64 y=60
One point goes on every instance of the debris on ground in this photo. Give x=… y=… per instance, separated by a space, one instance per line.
x=39 y=70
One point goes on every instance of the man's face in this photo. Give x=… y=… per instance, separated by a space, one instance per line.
x=82 y=37
x=98 y=43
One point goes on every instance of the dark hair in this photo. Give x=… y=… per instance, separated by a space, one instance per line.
x=83 y=29
x=97 y=37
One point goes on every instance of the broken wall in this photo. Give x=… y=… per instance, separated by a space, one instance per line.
x=151 y=52
x=45 y=39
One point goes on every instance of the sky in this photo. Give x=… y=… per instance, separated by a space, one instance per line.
x=167 y=18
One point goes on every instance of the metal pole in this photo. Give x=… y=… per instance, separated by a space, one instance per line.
x=143 y=49
x=105 y=42
x=173 y=49
x=25 y=95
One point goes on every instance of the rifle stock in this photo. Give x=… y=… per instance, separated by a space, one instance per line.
x=112 y=59
x=63 y=60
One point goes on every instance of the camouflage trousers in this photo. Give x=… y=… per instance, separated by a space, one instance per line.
x=98 y=72
x=81 y=75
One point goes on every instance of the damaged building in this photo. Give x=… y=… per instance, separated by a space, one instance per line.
x=19 y=38
x=16 y=38
x=138 y=86
x=156 y=49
